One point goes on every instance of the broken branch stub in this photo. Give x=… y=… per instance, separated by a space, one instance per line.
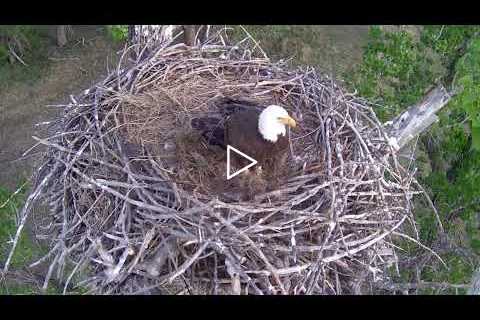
x=418 y=117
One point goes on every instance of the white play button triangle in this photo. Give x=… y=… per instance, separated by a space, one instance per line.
x=253 y=162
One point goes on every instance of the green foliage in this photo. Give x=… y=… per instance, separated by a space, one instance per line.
x=26 y=250
x=396 y=70
x=118 y=32
x=23 y=39
x=468 y=78
x=17 y=289
x=29 y=42
x=459 y=186
x=3 y=53
x=459 y=270
x=447 y=40
x=13 y=288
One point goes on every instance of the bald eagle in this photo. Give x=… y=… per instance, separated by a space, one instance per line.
x=258 y=131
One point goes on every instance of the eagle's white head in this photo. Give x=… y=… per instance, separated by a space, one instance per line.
x=272 y=122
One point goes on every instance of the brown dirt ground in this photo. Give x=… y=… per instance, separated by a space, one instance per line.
x=72 y=69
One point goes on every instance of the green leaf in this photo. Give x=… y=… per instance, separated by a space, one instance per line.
x=476 y=137
x=118 y=32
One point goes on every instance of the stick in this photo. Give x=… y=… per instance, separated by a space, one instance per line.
x=25 y=213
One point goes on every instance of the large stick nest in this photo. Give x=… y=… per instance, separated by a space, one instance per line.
x=137 y=198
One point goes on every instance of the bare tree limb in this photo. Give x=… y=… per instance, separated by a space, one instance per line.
x=422 y=285
x=417 y=118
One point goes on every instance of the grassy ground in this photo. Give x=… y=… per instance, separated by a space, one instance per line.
x=51 y=76
x=27 y=248
x=9 y=206
x=332 y=49
x=35 y=54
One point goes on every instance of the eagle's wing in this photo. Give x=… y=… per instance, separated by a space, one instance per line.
x=229 y=106
x=212 y=126
x=212 y=129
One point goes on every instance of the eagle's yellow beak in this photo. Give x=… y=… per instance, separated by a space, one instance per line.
x=288 y=121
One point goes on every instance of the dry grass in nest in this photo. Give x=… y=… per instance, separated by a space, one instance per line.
x=126 y=165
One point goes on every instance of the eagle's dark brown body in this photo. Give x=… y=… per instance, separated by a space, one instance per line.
x=241 y=132
x=237 y=125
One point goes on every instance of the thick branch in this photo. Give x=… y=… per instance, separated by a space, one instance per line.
x=189 y=34
x=61 y=35
x=418 y=117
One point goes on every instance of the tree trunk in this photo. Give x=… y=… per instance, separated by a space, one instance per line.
x=149 y=37
x=189 y=34
x=61 y=35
